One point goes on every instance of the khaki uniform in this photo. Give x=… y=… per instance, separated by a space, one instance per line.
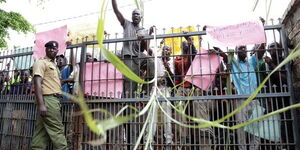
x=50 y=73
x=49 y=127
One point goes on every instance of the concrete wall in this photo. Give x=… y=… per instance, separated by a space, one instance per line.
x=291 y=21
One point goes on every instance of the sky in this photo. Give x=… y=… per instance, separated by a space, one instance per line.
x=161 y=13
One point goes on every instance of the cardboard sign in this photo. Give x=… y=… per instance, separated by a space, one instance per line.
x=251 y=32
x=41 y=38
x=203 y=69
x=103 y=80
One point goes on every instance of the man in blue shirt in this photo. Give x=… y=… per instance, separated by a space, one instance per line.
x=65 y=71
x=245 y=81
x=243 y=72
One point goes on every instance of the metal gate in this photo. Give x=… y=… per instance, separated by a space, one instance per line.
x=18 y=111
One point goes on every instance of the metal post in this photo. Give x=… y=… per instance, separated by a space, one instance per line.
x=291 y=89
x=78 y=127
x=82 y=65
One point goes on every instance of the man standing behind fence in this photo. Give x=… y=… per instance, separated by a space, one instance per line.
x=46 y=78
x=245 y=81
x=132 y=51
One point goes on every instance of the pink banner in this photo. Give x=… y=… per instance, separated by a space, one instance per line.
x=103 y=80
x=251 y=32
x=41 y=38
x=203 y=69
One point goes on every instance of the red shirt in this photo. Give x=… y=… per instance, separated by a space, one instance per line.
x=182 y=65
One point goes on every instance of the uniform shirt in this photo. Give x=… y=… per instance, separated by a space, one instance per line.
x=131 y=48
x=244 y=76
x=47 y=69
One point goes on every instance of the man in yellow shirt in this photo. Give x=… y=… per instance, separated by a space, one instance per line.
x=46 y=78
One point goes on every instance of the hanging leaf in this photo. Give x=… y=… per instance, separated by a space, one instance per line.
x=137 y=4
x=255 y=5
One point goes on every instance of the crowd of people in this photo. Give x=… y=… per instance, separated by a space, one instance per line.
x=18 y=84
x=246 y=70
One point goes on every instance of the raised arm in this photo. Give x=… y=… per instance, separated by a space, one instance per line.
x=118 y=13
x=222 y=54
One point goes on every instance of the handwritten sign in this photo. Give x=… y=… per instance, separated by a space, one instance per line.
x=103 y=80
x=203 y=69
x=41 y=38
x=251 y=32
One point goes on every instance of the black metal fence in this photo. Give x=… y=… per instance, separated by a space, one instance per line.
x=105 y=89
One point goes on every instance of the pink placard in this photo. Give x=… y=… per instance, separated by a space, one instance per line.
x=103 y=80
x=41 y=38
x=203 y=69
x=251 y=32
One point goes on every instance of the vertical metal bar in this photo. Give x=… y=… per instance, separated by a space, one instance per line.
x=79 y=128
x=71 y=57
x=82 y=65
x=290 y=87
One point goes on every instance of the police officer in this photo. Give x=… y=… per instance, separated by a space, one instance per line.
x=48 y=126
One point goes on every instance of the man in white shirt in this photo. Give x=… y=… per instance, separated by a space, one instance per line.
x=165 y=73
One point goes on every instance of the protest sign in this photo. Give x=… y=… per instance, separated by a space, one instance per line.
x=251 y=32
x=203 y=69
x=103 y=80
x=41 y=38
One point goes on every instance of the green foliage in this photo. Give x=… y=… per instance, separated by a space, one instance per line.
x=99 y=126
x=14 y=21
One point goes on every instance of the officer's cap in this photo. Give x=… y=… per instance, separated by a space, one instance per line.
x=51 y=44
